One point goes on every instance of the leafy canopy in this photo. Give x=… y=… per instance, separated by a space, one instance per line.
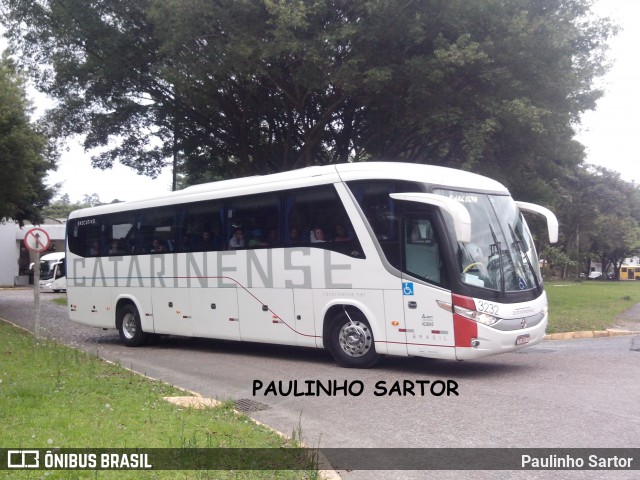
x=25 y=153
x=235 y=87
x=238 y=87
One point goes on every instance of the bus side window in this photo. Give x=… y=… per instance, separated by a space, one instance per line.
x=383 y=214
x=156 y=230
x=119 y=231
x=257 y=217
x=315 y=216
x=83 y=235
x=421 y=249
x=201 y=227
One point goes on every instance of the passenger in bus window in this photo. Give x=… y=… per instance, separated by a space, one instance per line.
x=157 y=246
x=185 y=243
x=237 y=240
x=256 y=239
x=341 y=234
x=317 y=235
x=210 y=242
x=272 y=238
x=294 y=236
x=116 y=248
x=94 y=248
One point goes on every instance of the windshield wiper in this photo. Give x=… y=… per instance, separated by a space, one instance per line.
x=499 y=249
x=518 y=242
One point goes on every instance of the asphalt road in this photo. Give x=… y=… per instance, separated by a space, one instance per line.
x=582 y=393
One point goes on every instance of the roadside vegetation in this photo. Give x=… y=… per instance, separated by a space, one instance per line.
x=52 y=396
x=593 y=305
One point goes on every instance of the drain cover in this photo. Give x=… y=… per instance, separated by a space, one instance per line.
x=246 y=405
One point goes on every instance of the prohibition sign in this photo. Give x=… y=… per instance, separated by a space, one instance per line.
x=37 y=240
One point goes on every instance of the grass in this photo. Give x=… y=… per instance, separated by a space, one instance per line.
x=54 y=396
x=60 y=301
x=593 y=305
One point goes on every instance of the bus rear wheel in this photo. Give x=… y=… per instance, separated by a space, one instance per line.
x=129 y=326
x=351 y=341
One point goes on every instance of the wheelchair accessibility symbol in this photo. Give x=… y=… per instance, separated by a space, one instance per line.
x=407 y=288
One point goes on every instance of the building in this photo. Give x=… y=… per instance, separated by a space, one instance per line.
x=15 y=259
x=630 y=269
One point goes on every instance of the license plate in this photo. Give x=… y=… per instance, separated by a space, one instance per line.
x=522 y=339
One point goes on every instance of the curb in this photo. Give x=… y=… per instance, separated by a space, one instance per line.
x=611 y=332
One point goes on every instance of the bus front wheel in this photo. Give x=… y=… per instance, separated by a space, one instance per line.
x=129 y=326
x=351 y=341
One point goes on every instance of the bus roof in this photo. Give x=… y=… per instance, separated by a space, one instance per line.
x=429 y=174
x=310 y=176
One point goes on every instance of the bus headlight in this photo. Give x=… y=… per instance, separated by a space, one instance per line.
x=476 y=316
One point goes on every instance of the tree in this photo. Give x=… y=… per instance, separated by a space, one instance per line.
x=62 y=207
x=605 y=211
x=614 y=239
x=236 y=87
x=25 y=153
x=59 y=208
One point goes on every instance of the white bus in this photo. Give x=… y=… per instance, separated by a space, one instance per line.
x=363 y=259
x=52 y=272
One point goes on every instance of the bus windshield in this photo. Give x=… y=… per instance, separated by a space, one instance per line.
x=52 y=266
x=501 y=255
x=47 y=268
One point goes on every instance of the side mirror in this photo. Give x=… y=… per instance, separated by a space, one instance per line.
x=552 y=221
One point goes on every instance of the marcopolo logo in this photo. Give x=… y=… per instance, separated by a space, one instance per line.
x=23 y=459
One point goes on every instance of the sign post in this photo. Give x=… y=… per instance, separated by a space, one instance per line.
x=37 y=240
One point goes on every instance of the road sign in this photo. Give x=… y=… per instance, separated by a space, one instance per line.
x=37 y=240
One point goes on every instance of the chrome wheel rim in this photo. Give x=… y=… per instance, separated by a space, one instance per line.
x=129 y=328
x=355 y=339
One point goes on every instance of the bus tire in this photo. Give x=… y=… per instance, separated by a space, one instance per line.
x=129 y=326
x=351 y=341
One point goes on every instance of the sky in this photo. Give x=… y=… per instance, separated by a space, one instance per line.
x=609 y=133
x=79 y=178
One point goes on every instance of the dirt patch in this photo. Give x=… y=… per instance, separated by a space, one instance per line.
x=193 y=402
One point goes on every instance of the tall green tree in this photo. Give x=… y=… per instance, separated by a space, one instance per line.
x=614 y=239
x=599 y=213
x=233 y=87
x=25 y=153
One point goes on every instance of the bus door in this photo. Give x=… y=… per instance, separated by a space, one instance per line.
x=427 y=304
